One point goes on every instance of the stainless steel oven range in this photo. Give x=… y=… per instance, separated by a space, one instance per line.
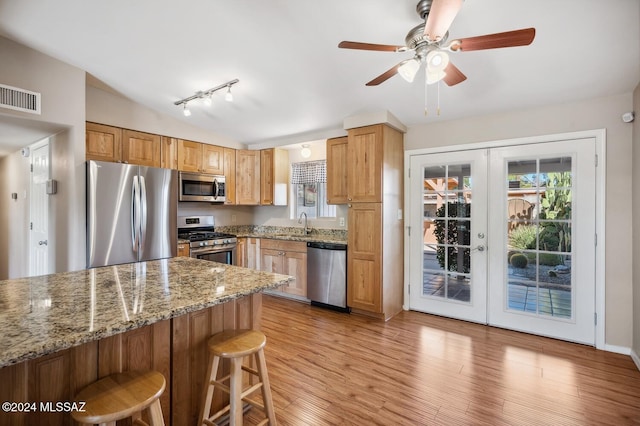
x=204 y=242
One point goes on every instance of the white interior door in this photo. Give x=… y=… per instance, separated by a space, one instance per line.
x=448 y=222
x=39 y=211
x=506 y=236
x=542 y=227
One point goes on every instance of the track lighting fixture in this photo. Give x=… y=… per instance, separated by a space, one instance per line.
x=207 y=96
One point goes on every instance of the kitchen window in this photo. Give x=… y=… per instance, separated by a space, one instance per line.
x=309 y=190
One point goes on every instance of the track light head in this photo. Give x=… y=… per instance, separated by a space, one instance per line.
x=228 y=96
x=186 y=110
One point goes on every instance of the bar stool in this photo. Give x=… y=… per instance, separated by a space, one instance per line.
x=122 y=395
x=235 y=345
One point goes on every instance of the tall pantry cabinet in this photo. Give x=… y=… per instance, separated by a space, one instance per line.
x=375 y=156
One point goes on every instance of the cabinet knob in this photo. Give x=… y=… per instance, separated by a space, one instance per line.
x=349 y=205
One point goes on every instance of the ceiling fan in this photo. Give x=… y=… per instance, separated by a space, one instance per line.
x=429 y=41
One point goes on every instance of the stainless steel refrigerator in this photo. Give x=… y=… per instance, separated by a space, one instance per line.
x=131 y=213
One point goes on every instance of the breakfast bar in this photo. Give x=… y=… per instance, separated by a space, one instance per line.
x=62 y=332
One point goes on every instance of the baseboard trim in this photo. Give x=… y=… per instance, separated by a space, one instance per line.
x=617 y=349
x=635 y=358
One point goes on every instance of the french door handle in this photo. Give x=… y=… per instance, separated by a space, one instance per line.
x=480 y=247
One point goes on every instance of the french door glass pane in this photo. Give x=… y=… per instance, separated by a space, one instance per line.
x=447 y=227
x=539 y=222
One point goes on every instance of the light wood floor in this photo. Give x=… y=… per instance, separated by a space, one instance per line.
x=329 y=368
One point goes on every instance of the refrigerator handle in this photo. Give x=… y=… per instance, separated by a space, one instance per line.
x=135 y=213
x=143 y=211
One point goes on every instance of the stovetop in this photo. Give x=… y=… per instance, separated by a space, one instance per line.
x=203 y=235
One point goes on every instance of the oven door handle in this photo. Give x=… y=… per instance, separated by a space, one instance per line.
x=212 y=249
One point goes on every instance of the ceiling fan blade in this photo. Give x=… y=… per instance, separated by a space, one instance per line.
x=385 y=75
x=371 y=46
x=440 y=17
x=515 y=38
x=453 y=75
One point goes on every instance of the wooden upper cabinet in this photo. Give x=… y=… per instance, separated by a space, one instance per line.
x=169 y=153
x=247 y=177
x=337 y=188
x=189 y=156
x=140 y=148
x=365 y=150
x=274 y=177
x=230 y=175
x=103 y=143
x=200 y=157
x=212 y=159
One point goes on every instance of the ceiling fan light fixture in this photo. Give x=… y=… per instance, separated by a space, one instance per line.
x=437 y=62
x=409 y=69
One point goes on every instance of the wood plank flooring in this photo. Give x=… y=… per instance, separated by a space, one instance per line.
x=330 y=368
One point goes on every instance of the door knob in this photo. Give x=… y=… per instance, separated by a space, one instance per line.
x=42 y=243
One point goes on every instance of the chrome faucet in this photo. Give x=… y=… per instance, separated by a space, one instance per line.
x=306 y=231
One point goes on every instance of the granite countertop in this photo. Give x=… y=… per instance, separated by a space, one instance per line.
x=45 y=314
x=287 y=233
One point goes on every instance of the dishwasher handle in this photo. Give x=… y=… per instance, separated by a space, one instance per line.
x=326 y=246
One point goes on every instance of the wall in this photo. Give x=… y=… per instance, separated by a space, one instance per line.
x=281 y=216
x=63 y=106
x=586 y=115
x=14 y=216
x=105 y=107
x=636 y=227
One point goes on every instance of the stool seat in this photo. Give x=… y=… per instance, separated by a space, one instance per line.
x=122 y=395
x=235 y=345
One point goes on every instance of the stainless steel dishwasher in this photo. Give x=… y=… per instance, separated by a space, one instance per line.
x=327 y=275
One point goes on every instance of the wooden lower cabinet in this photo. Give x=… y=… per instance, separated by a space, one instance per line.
x=364 y=266
x=248 y=253
x=184 y=250
x=176 y=348
x=288 y=258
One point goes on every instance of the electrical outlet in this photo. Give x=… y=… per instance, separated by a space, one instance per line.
x=233 y=218
x=341 y=221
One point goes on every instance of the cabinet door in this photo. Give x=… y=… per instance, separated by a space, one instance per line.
x=103 y=143
x=365 y=150
x=140 y=148
x=230 y=175
x=183 y=250
x=169 y=153
x=272 y=261
x=266 y=177
x=189 y=156
x=274 y=177
x=295 y=264
x=247 y=177
x=364 y=267
x=337 y=191
x=212 y=159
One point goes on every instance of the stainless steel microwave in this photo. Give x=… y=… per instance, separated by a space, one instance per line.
x=202 y=187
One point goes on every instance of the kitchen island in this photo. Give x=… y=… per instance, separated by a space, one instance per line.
x=63 y=331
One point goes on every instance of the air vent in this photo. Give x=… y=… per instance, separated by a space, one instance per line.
x=19 y=99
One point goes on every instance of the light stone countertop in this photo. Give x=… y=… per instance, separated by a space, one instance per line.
x=45 y=314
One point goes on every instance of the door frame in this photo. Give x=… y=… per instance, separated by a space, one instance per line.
x=600 y=140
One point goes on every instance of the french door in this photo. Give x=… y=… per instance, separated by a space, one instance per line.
x=506 y=237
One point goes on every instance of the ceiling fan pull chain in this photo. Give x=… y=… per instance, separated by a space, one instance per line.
x=425 y=92
x=438 y=98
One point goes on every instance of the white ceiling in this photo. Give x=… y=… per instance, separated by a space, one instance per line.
x=295 y=84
